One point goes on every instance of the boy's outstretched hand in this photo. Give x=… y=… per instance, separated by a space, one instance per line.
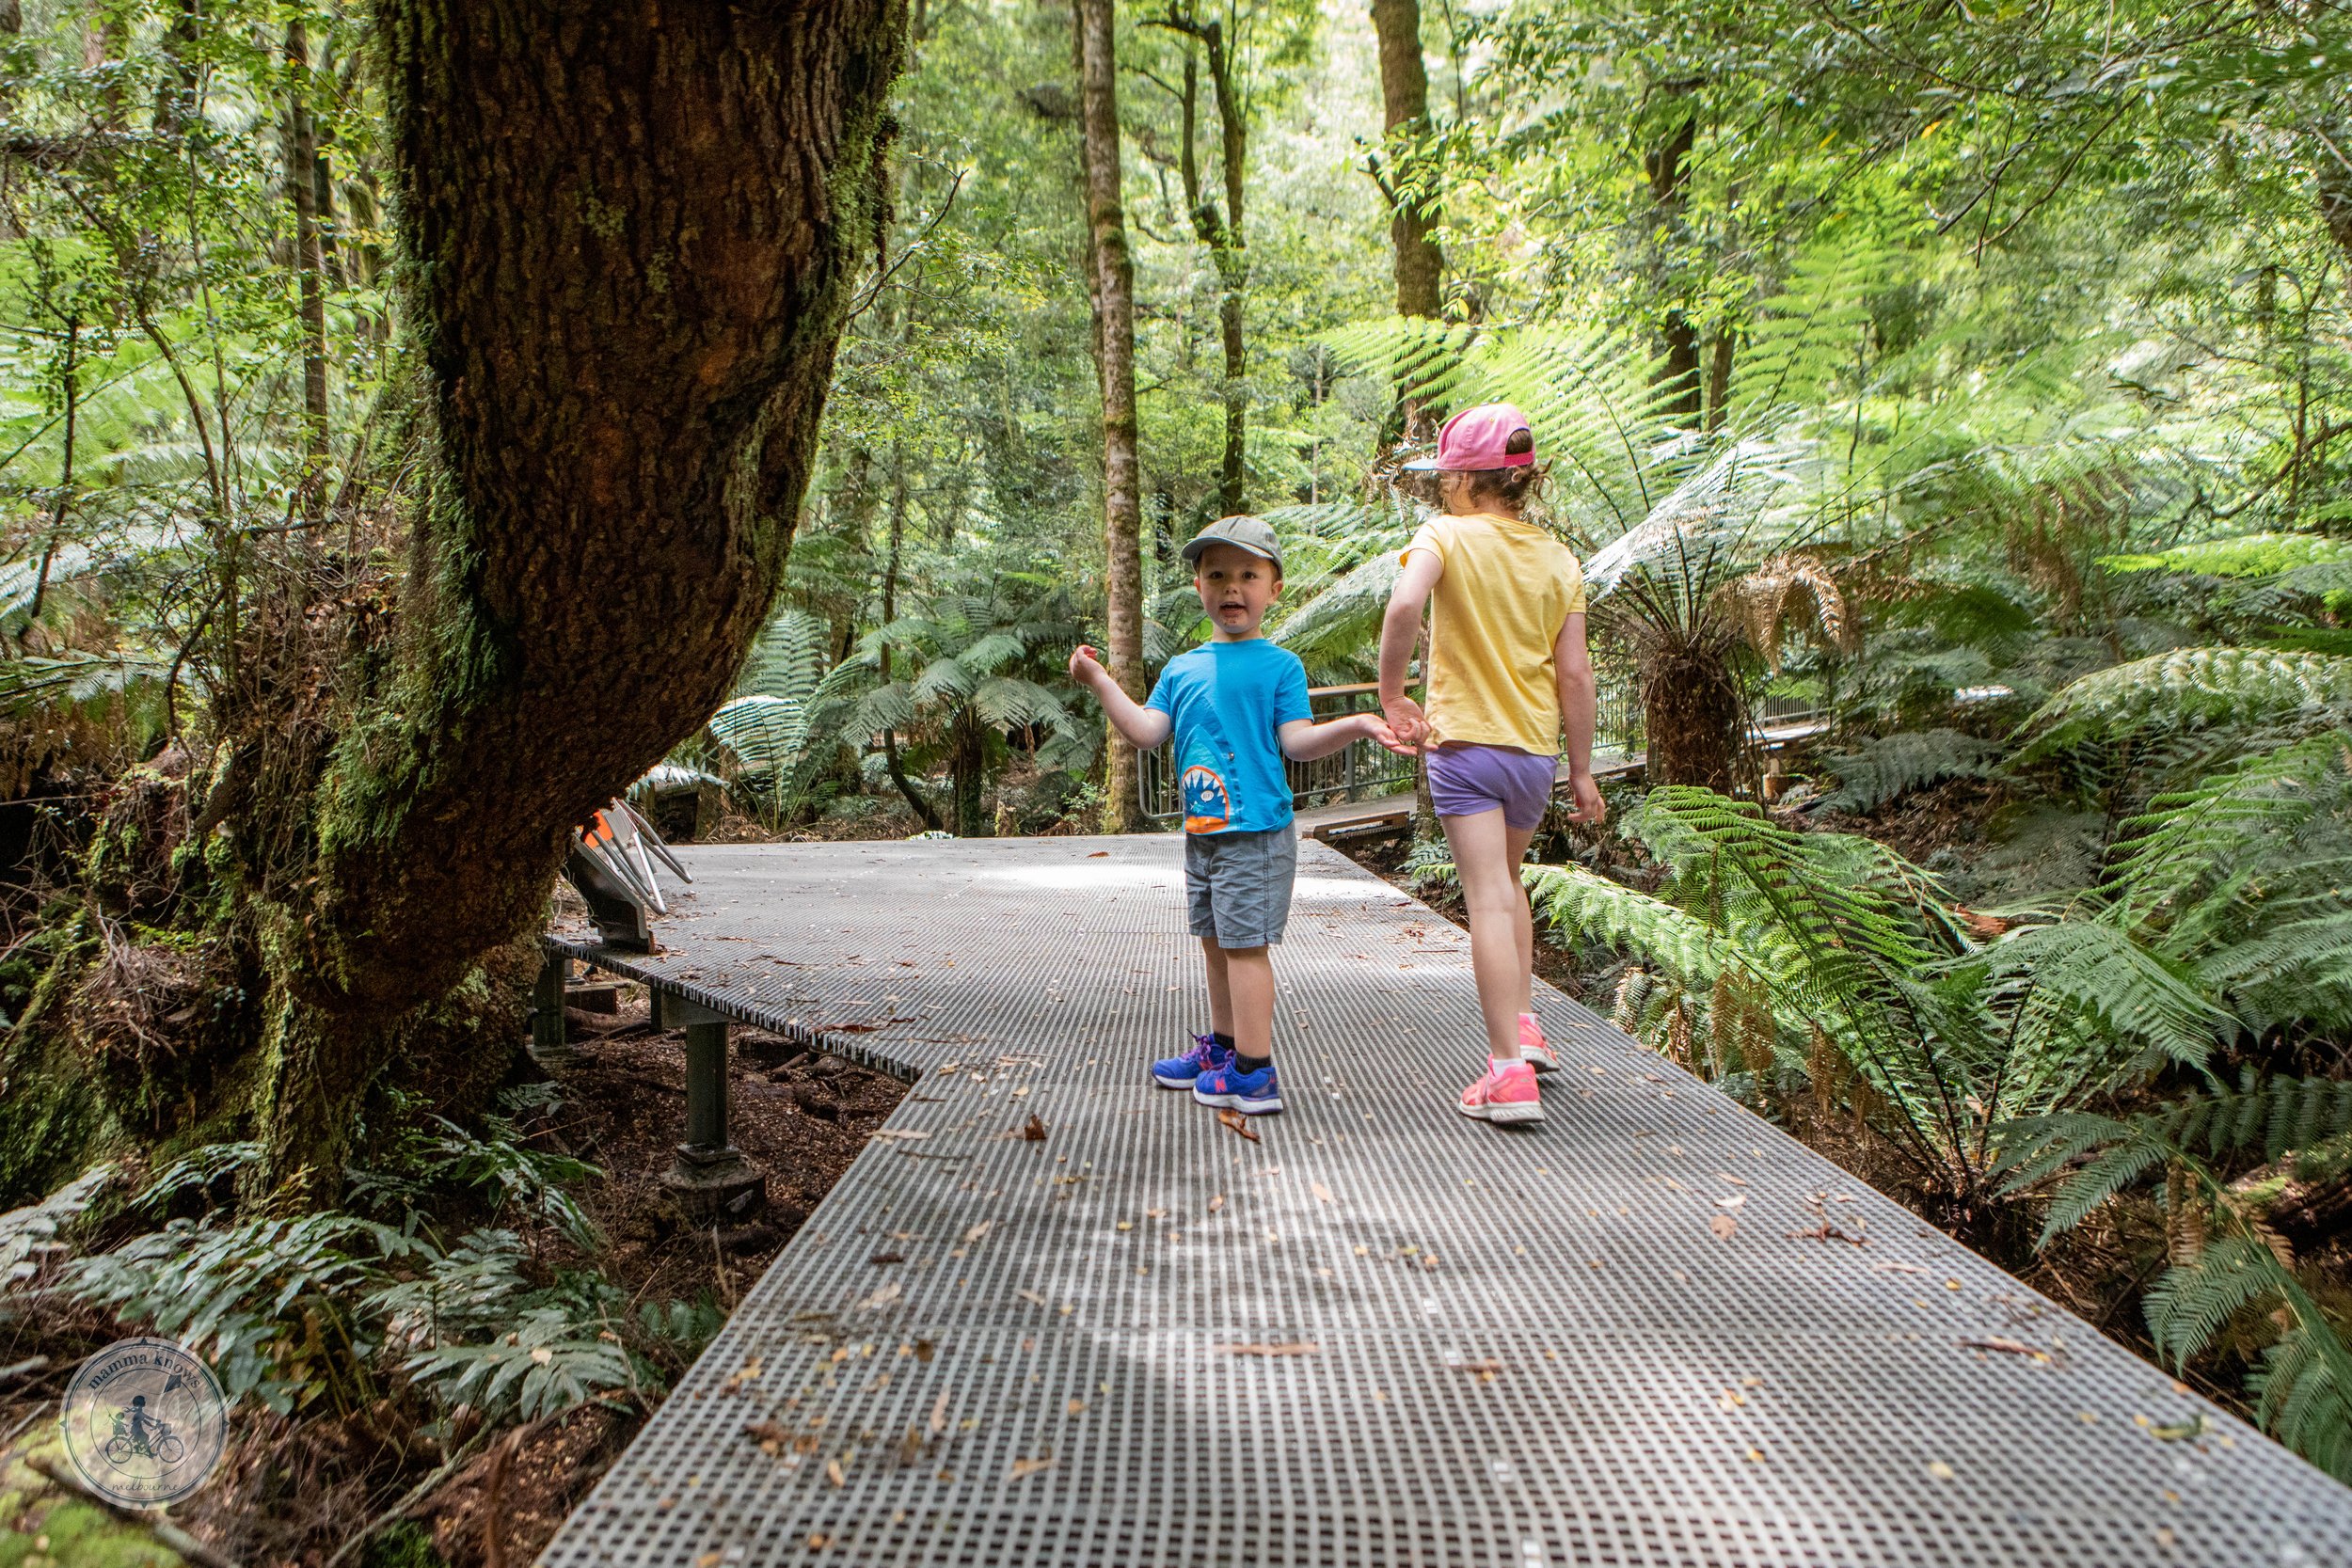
x=1085 y=668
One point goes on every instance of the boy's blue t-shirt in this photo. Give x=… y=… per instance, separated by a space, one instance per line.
x=1227 y=701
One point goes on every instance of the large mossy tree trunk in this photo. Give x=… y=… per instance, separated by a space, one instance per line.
x=631 y=231
x=1419 y=264
x=1693 y=717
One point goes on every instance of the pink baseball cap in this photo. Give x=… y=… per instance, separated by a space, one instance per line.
x=1475 y=438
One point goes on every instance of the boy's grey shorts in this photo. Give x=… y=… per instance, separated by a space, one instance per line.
x=1237 y=886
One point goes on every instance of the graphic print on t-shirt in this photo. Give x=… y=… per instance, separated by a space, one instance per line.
x=1207 y=806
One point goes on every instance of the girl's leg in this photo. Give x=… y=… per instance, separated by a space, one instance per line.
x=1220 y=988
x=1486 y=856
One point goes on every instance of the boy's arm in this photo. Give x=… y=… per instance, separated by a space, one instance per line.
x=1304 y=740
x=1142 y=727
x=1399 y=629
x=1579 y=702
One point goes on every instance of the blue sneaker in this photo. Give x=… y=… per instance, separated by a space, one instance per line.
x=1180 y=1072
x=1251 y=1093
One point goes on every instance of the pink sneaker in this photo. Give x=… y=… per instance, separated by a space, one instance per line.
x=1533 y=1050
x=1507 y=1093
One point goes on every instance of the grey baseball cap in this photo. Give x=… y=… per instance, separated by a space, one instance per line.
x=1254 y=534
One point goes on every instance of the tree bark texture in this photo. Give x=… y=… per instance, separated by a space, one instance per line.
x=1114 y=289
x=631 y=232
x=2334 y=180
x=1405 y=117
x=1227 y=250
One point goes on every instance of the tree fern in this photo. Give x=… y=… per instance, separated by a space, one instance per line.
x=2246 y=555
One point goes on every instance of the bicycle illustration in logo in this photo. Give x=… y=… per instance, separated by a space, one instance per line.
x=144 y=1421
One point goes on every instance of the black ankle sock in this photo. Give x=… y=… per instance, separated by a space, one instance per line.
x=1225 y=1040
x=1251 y=1063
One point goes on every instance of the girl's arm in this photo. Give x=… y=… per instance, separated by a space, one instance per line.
x=1579 y=705
x=1142 y=727
x=1304 y=740
x=1399 y=629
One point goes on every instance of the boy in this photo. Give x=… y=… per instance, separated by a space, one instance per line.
x=1237 y=706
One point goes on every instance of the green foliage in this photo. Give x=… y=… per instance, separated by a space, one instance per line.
x=1895 y=764
x=765 y=728
x=2247 y=555
x=28 y=1233
x=2194 y=687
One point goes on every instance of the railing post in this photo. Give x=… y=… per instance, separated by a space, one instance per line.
x=547 y=1045
x=710 y=1181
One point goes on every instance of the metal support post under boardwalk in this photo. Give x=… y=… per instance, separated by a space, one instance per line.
x=710 y=1180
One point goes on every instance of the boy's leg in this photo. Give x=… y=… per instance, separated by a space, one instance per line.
x=1220 y=989
x=1250 y=1020
x=1486 y=856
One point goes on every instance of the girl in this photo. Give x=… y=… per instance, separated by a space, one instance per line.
x=1508 y=669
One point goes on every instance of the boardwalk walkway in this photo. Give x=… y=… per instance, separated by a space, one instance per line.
x=1509 y=1349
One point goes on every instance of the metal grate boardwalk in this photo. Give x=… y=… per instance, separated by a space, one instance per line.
x=1530 y=1348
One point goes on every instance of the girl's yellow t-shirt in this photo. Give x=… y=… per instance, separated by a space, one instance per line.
x=1495 y=617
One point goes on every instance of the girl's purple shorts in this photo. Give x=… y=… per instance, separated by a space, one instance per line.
x=1466 y=780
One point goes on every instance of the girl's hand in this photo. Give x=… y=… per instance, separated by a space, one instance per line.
x=1378 y=730
x=1084 y=668
x=1407 y=726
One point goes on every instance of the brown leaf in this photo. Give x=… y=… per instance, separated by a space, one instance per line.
x=771 y=1437
x=911 y=1447
x=1215 y=1203
x=884 y=1259
x=1726 y=1176
x=1035 y=1296
x=1098 y=854
x=879 y=1299
x=1323 y=1193
x=978 y=1231
x=906 y=1134
x=1237 y=1122
x=1291 y=1348
x=939 y=1414
x=1485 y=1369
x=1024 y=1468
x=1722 y=1226
x=833 y=1473
x=2006 y=1346
x=1033 y=1130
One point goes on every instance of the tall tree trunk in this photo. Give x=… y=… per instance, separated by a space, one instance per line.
x=1667 y=176
x=923 y=811
x=633 y=232
x=1112 y=278
x=302 y=174
x=1227 y=250
x=1404 y=118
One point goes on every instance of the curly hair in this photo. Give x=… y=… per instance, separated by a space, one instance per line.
x=1515 y=488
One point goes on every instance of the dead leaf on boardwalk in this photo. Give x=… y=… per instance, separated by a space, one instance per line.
x=911 y=1448
x=978 y=1231
x=1238 y=1123
x=1484 y=1368
x=2007 y=1347
x=771 y=1437
x=1733 y=1201
x=1215 y=1203
x=884 y=1259
x=833 y=1473
x=1323 y=1193
x=1098 y=854
x=1291 y=1348
x=1023 y=1468
x=906 y=1133
x=1898 y=1268
x=1722 y=1226
x=879 y=1299
x=1033 y=1130
x=939 y=1414
x=1726 y=1176
x=1033 y=1296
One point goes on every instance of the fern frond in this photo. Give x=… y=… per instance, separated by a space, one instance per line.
x=2191 y=687
x=2129 y=990
x=1895 y=765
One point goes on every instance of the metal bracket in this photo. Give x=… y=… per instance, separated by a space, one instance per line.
x=709 y=1179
